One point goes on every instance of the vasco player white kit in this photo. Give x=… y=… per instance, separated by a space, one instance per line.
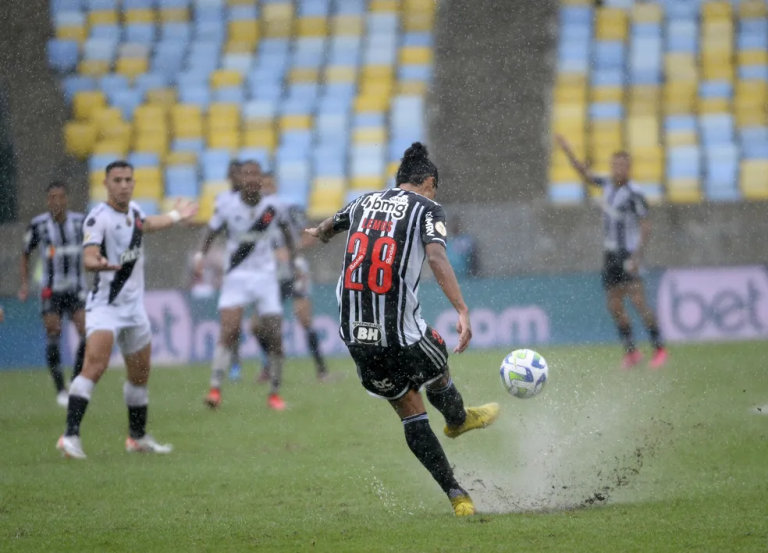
x=250 y=267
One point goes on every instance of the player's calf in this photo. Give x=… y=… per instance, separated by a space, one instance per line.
x=444 y=397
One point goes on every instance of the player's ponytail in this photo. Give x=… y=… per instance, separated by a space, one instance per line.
x=416 y=167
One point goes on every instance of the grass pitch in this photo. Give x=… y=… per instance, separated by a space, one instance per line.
x=603 y=460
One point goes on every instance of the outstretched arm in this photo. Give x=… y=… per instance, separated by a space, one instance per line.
x=446 y=278
x=578 y=165
x=183 y=211
x=94 y=262
x=324 y=231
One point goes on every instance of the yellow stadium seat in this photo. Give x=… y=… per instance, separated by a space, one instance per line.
x=680 y=138
x=751 y=118
x=226 y=77
x=383 y=6
x=328 y=184
x=752 y=9
x=102 y=17
x=377 y=72
x=340 y=74
x=680 y=67
x=131 y=67
x=275 y=11
x=373 y=135
x=571 y=94
x=72 y=32
x=235 y=47
x=161 y=96
x=151 y=142
x=642 y=132
x=246 y=31
x=326 y=198
x=181 y=158
x=295 y=123
x=607 y=94
x=106 y=116
x=376 y=88
x=139 y=16
x=347 y=25
x=312 y=27
x=205 y=209
x=79 y=138
x=611 y=24
x=569 y=111
x=188 y=129
x=260 y=138
x=279 y=29
x=304 y=75
x=646 y=13
x=562 y=173
x=174 y=15
x=411 y=88
x=96 y=189
x=716 y=10
x=683 y=190
x=364 y=104
x=368 y=183
x=225 y=139
x=110 y=147
x=119 y=131
x=648 y=171
x=713 y=105
x=223 y=115
x=87 y=102
x=415 y=55
x=571 y=79
x=718 y=72
x=752 y=57
x=392 y=168
x=754 y=179
x=418 y=22
x=93 y=68
x=150 y=115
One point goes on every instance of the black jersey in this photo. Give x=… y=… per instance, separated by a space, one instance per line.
x=60 y=246
x=378 y=289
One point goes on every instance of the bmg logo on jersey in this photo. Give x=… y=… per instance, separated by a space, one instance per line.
x=714 y=304
x=395 y=206
x=367 y=333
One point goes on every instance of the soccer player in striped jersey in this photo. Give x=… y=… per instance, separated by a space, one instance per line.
x=113 y=249
x=626 y=234
x=58 y=235
x=296 y=285
x=389 y=234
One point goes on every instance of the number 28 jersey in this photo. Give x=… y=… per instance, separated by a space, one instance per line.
x=379 y=285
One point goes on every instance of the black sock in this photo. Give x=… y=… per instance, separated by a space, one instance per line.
x=79 y=359
x=264 y=354
x=428 y=451
x=314 y=346
x=75 y=413
x=53 y=358
x=655 y=334
x=137 y=421
x=448 y=401
x=625 y=334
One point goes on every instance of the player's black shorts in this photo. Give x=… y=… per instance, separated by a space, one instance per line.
x=61 y=303
x=289 y=290
x=389 y=372
x=614 y=272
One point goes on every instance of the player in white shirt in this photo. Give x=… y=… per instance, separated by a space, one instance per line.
x=113 y=249
x=250 y=276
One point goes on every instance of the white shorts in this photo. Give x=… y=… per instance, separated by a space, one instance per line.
x=131 y=329
x=243 y=289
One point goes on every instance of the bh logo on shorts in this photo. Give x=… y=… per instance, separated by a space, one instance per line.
x=367 y=333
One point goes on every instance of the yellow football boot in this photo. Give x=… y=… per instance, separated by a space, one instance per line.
x=463 y=506
x=477 y=417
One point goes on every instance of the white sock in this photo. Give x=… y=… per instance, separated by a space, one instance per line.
x=81 y=387
x=135 y=396
x=222 y=360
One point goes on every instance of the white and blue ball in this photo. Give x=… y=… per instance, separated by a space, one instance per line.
x=524 y=373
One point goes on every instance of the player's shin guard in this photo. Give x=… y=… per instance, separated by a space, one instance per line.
x=448 y=401
x=79 y=395
x=222 y=359
x=276 y=371
x=53 y=358
x=427 y=449
x=625 y=334
x=314 y=346
x=136 y=399
x=79 y=359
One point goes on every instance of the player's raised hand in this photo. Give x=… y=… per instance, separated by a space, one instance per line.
x=186 y=208
x=315 y=233
x=464 y=328
x=103 y=265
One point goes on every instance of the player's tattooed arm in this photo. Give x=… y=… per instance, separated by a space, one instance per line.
x=325 y=231
x=94 y=262
x=446 y=278
x=581 y=168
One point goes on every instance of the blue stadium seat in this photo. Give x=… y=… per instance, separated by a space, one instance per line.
x=259 y=109
x=756 y=72
x=176 y=31
x=752 y=41
x=138 y=4
x=110 y=32
x=98 y=162
x=215 y=164
x=609 y=55
x=195 y=94
x=144 y=159
x=415 y=73
x=715 y=89
x=607 y=77
x=149 y=207
x=753 y=134
x=576 y=15
x=77 y=83
x=314 y=8
x=682 y=9
x=417 y=39
x=350 y=7
x=188 y=145
x=99 y=49
x=241 y=62
x=369 y=120
x=140 y=33
x=599 y=110
x=754 y=27
x=112 y=83
x=297 y=106
x=683 y=162
x=256 y=154
x=680 y=123
x=229 y=94
x=181 y=180
x=127 y=100
x=567 y=193
x=65 y=6
x=243 y=13
x=755 y=150
x=149 y=81
x=63 y=55
x=93 y=5
x=647 y=30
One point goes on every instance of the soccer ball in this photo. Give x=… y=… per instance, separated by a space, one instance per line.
x=524 y=373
